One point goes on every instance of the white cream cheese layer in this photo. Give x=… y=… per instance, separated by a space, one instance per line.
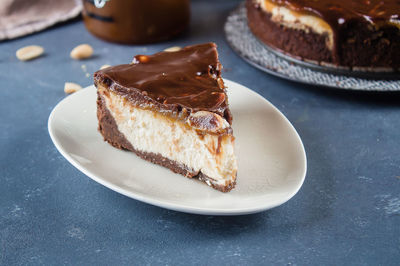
x=296 y=20
x=150 y=131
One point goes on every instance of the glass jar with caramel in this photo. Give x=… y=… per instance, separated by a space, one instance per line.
x=136 y=21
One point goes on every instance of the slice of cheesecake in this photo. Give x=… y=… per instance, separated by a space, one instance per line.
x=171 y=108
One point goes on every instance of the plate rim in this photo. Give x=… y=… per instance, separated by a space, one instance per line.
x=170 y=205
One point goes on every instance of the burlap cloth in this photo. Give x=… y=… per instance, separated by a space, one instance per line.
x=22 y=17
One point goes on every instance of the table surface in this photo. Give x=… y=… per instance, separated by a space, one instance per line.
x=347 y=212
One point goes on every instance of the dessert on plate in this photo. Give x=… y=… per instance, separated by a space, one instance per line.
x=358 y=34
x=171 y=108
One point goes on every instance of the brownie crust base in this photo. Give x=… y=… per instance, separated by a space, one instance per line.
x=109 y=130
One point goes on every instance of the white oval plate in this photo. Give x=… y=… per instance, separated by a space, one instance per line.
x=271 y=158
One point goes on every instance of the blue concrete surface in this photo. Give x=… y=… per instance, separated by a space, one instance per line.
x=346 y=213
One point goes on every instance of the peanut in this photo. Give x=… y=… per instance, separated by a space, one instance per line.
x=143 y=58
x=70 y=87
x=82 y=51
x=104 y=66
x=173 y=49
x=29 y=52
x=207 y=121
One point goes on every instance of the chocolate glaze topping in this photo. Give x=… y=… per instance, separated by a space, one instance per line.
x=340 y=13
x=187 y=80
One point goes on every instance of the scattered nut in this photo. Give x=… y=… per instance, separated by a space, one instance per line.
x=221 y=84
x=104 y=66
x=71 y=87
x=207 y=121
x=140 y=59
x=173 y=49
x=82 y=51
x=143 y=58
x=29 y=52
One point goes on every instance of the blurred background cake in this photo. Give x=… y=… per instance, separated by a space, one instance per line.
x=360 y=34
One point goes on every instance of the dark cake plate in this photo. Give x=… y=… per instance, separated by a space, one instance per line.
x=269 y=60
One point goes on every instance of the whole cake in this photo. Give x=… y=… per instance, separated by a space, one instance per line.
x=171 y=108
x=360 y=34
